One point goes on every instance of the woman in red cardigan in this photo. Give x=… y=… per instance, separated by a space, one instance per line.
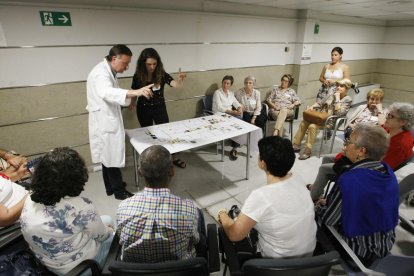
x=399 y=122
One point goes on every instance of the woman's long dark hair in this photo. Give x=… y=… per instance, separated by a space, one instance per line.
x=141 y=70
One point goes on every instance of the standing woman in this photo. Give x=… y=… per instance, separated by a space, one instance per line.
x=249 y=98
x=153 y=110
x=333 y=72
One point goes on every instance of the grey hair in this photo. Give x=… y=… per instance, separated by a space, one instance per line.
x=406 y=112
x=155 y=164
x=373 y=138
x=250 y=77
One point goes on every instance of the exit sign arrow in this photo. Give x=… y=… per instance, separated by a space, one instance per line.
x=54 y=18
x=64 y=19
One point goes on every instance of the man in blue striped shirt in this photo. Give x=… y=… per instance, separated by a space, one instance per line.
x=363 y=204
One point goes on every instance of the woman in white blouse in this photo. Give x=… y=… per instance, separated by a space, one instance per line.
x=225 y=101
x=62 y=228
x=251 y=104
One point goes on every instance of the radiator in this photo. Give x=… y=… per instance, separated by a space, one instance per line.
x=361 y=97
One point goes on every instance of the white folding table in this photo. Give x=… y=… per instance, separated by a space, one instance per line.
x=192 y=133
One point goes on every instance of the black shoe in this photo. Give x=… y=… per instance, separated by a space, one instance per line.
x=123 y=195
x=109 y=193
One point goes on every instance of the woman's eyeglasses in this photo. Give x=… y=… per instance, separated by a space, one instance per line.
x=348 y=142
x=390 y=116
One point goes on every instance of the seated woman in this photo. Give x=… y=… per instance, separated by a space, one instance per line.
x=280 y=211
x=363 y=205
x=62 y=228
x=338 y=103
x=371 y=112
x=282 y=101
x=225 y=101
x=399 y=123
x=251 y=104
x=12 y=195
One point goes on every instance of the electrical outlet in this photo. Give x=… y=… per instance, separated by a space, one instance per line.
x=286 y=49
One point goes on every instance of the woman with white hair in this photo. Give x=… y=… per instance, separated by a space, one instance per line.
x=249 y=98
x=399 y=123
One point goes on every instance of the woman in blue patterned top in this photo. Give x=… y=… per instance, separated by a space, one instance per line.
x=62 y=228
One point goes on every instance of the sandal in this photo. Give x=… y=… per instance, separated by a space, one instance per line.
x=179 y=163
x=306 y=154
x=296 y=148
x=233 y=154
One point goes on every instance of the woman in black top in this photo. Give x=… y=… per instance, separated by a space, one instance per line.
x=153 y=110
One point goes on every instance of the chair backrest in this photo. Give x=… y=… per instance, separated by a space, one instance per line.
x=189 y=267
x=317 y=265
x=208 y=104
x=406 y=185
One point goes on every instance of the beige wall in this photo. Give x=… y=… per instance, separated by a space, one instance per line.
x=21 y=108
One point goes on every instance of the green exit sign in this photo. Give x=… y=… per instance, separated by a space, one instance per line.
x=53 y=18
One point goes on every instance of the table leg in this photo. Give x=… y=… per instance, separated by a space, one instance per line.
x=136 y=168
x=248 y=156
x=222 y=151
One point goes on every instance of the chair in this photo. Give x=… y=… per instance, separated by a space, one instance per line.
x=11 y=240
x=406 y=185
x=245 y=263
x=389 y=265
x=207 y=105
x=331 y=120
x=290 y=120
x=194 y=266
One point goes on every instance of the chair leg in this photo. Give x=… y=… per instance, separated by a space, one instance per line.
x=323 y=138
x=333 y=140
x=291 y=130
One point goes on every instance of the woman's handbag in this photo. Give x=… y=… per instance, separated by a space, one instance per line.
x=315 y=117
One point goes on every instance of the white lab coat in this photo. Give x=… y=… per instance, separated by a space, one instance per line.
x=106 y=127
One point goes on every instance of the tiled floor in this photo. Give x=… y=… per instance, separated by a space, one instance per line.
x=213 y=184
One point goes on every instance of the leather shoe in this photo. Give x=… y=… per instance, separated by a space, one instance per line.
x=109 y=193
x=123 y=195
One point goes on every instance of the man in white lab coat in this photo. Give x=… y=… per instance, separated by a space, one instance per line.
x=106 y=127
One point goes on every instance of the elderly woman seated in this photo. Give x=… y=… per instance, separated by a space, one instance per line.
x=62 y=228
x=372 y=112
x=281 y=211
x=337 y=103
x=399 y=123
x=282 y=101
x=363 y=204
x=12 y=195
x=250 y=101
